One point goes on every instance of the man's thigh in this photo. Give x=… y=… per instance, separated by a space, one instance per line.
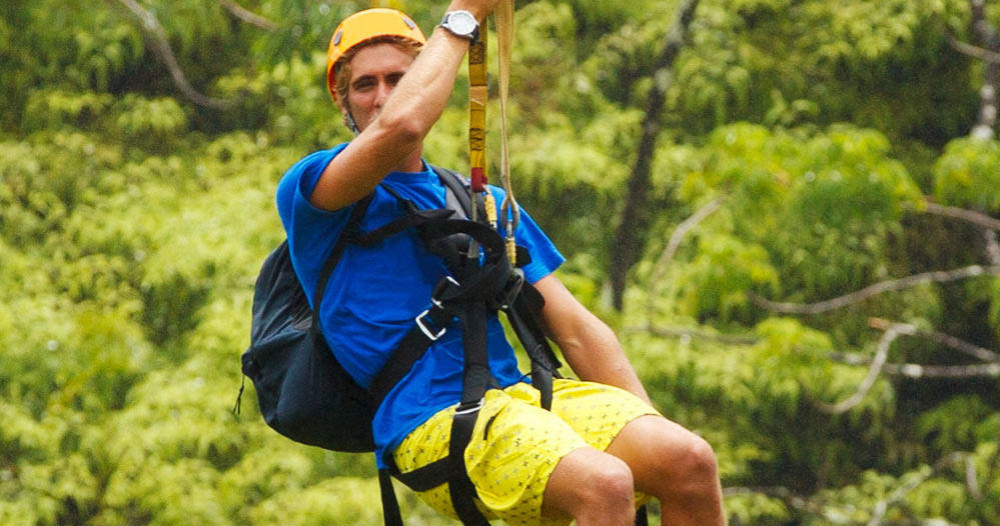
x=597 y=412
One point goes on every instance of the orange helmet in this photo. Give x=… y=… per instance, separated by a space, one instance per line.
x=363 y=26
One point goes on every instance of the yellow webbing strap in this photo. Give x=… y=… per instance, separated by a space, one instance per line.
x=477 y=113
x=511 y=213
x=478 y=95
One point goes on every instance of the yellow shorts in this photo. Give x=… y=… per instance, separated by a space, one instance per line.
x=510 y=462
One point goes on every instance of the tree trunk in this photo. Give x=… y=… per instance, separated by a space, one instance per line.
x=628 y=243
x=986 y=37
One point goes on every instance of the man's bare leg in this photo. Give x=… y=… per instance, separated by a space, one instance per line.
x=675 y=466
x=595 y=488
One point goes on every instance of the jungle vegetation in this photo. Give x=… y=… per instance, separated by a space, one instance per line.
x=809 y=190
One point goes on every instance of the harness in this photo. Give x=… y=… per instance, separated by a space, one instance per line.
x=482 y=280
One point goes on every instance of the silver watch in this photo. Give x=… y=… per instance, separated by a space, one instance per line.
x=462 y=24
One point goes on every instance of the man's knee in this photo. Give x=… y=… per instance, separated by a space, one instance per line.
x=697 y=459
x=588 y=482
x=689 y=467
x=609 y=478
x=668 y=456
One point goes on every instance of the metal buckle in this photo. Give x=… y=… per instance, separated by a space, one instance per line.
x=460 y=410
x=423 y=326
x=438 y=304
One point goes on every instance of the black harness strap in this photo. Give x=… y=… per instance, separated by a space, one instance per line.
x=391 y=514
x=349 y=234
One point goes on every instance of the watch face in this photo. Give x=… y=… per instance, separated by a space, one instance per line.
x=462 y=23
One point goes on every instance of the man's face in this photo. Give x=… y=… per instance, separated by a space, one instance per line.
x=375 y=71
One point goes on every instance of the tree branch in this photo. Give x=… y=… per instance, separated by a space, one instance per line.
x=990 y=225
x=917 y=371
x=248 y=16
x=970 y=216
x=669 y=332
x=873 y=290
x=882 y=506
x=988 y=39
x=972 y=51
x=893 y=332
x=960 y=345
x=680 y=232
x=992 y=246
x=878 y=363
x=675 y=240
x=161 y=46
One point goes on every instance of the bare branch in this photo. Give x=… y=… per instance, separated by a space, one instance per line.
x=675 y=240
x=965 y=347
x=878 y=362
x=161 y=46
x=992 y=246
x=878 y=288
x=975 y=52
x=917 y=371
x=679 y=234
x=670 y=332
x=882 y=506
x=988 y=39
x=972 y=479
x=910 y=370
x=248 y=16
x=970 y=216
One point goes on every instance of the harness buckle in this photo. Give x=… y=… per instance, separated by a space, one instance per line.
x=423 y=325
x=464 y=409
x=511 y=289
x=438 y=304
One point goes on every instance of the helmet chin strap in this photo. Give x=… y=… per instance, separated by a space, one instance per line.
x=349 y=119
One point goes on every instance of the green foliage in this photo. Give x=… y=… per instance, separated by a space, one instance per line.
x=133 y=223
x=965 y=175
x=825 y=62
x=714 y=284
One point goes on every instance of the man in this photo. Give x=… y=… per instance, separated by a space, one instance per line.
x=586 y=459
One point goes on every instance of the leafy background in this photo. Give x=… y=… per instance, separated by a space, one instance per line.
x=825 y=138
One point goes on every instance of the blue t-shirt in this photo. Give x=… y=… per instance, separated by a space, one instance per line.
x=375 y=293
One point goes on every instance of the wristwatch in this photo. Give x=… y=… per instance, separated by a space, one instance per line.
x=462 y=24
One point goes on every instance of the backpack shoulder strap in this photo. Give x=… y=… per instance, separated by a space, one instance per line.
x=457 y=189
x=350 y=232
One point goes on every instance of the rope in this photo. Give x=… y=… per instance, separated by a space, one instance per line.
x=509 y=209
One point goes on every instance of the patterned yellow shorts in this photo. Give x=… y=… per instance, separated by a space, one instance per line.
x=510 y=463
